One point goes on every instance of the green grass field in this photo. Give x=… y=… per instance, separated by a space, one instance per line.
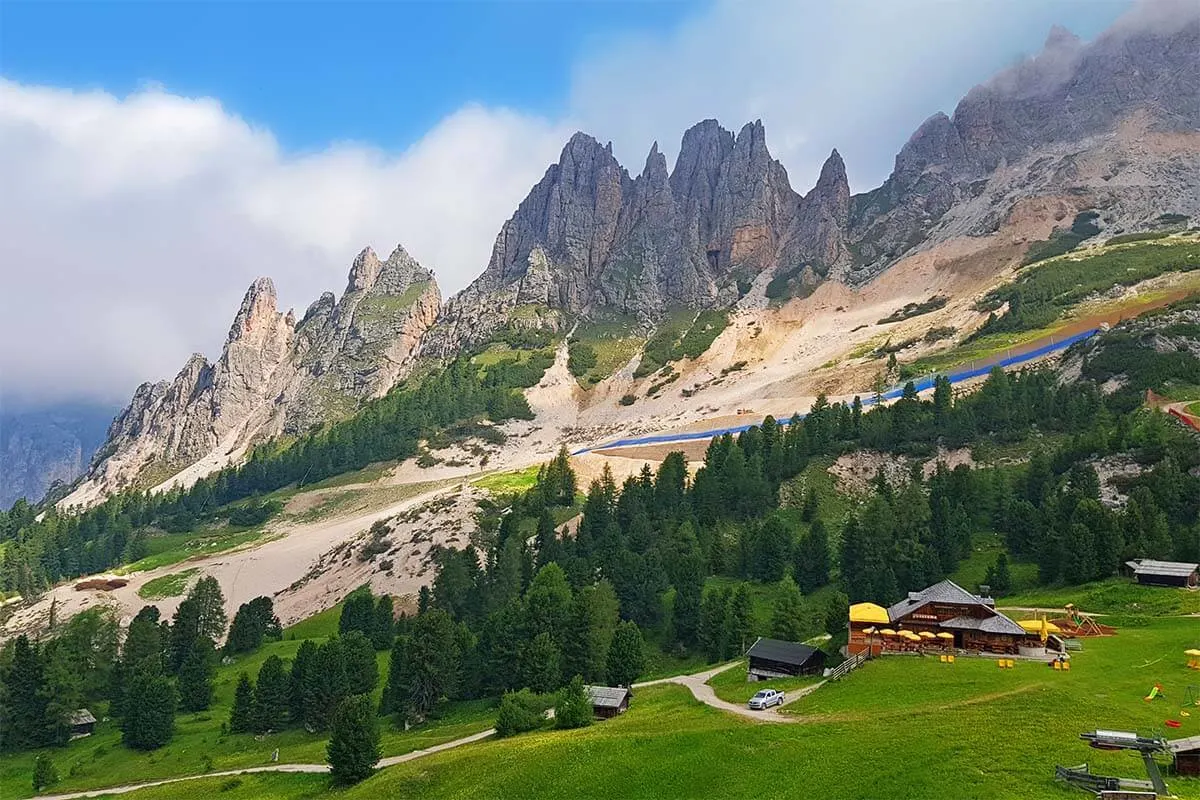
x=1116 y=596
x=171 y=549
x=732 y=686
x=513 y=481
x=166 y=585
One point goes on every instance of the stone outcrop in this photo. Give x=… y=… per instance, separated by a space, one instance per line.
x=274 y=376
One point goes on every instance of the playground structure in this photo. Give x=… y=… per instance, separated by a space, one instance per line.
x=1078 y=625
x=1145 y=746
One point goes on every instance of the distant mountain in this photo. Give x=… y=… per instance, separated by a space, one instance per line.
x=1111 y=127
x=41 y=447
x=274 y=376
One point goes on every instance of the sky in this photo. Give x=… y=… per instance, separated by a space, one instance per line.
x=155 y=158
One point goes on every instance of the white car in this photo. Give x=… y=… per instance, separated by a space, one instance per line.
x=765 y=699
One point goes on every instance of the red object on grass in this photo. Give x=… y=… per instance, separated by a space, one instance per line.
x=1173 y=723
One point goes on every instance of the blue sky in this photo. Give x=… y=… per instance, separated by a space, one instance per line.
x=157 y=158
x=319 y=72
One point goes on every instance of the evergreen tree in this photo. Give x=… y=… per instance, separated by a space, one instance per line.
x=434 y=661
x=1079 y=557
x=149 y=723
x=542 y=664
x=998 y=576
x=549 y=601
x=253 y=622
x=626 y=655
x=712 y=631
x=184 y=634
x=353 y=748
x=811 y=565
x=689 y=588
x=298 y=680
x=271 y=696
x=362 y=670
x=44 y=773
x=573 y=708
x=384 y=629
x=211 y=607
x=519 y=712
x=594 y=618
x=739 y=622
x=196 y=676
x=327 y=684
x=792 y=619
x=243 y=715
x=358 y=612
x=397 y=690
x=29 y=723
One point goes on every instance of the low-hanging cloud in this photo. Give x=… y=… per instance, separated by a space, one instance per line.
x=129 y=227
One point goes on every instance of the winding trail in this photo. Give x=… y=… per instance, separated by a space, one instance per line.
x=697 y=683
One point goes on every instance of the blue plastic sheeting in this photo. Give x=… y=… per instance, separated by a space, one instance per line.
x=921 y=385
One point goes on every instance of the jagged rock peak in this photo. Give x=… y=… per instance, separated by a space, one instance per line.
x=1061 y=38
x=656 y=165
x=364 y=271
x=833 y=174
x=257 y=309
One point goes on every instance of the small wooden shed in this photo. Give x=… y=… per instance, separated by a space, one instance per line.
x=773 y=658
x=1186 y=754
x=81 y=723
x=1149 y=572
x=609 y=701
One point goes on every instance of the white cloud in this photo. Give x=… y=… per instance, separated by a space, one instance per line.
x=129 y=228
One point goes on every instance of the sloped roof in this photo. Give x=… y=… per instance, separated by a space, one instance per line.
x=944 y=592
x=1184 y=745
x=868 y=612
x=996 y=624
x=607 y=696
x=783 y=652
x=80 y=716
x=1148 y=566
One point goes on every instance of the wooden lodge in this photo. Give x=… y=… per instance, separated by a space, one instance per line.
x=772 y=658
x=609 y=701
x=1150 y=572
x=943 y=617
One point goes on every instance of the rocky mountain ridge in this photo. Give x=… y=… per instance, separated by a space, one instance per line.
x=1113 y=125
x=274 y=376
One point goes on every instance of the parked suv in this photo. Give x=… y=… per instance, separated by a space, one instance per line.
x=765 y=699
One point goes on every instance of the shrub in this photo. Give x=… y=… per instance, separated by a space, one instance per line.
x=254 y=513
x=519 y=712
x=627 y=400
x=44 y=773
x=581 y=359
x=574 y=708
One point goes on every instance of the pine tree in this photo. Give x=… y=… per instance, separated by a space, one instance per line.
x=811 y=565
x=434 y=659
x=792 y=620
x=542 y=664
x=243 y=714
x=362 y=670
x=298 y=681
x=573 y=708
x=358 y=612
x=254 y=622
x=353 y=748
x=740 y=621
x=271 y=696
x=711 y=634
x=689 y=589
x=196 y=676
x=397 y=690
x=626 y=655
x=326 y=686
x=549 y=600
x=384 y=628
x=185 y=632
x=28 y=724
x=211 y=604
x=149 y=723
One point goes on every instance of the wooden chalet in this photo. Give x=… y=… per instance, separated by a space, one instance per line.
x=609 y=701
x=943 y=617
x=1150 y=572
x=772 y=658
x=1186 y=755
x=81 y=722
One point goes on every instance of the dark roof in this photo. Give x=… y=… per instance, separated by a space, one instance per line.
x=997 y=624
x=783 y=652
x=944 y=592
x=1148 y=566
x=80 y=716
x=607 y=696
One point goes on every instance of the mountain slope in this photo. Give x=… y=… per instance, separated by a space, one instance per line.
x=275 y=376
x=41 y=447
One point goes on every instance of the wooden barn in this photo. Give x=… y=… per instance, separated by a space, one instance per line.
x=772 y=658
x=1186 y=755
x=609 y=701
x=81 y=723
x=1149 y=572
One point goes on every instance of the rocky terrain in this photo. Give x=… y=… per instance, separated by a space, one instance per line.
x=1112 y=126
x=48 y=447
x=275 y=376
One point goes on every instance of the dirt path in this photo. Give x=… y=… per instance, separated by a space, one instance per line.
x=698 y=685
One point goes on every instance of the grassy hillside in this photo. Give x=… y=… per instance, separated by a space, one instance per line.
x=898 y=727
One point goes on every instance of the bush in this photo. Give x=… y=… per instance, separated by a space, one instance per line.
x=581 y=359
x=254 y=513
x=44 y=773
x=574 y=708
x=628 y=400
x=519 y=712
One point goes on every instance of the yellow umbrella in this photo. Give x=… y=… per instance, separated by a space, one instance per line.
x=926 y=635
x=945 y=635
x=887 y=632
x=1193 y=652
x=868 y=630
x=911 y=636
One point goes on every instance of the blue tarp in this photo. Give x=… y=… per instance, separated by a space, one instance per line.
x=921 y=385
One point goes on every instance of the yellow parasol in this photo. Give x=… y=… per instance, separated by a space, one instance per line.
x=887 y=632
x=910 y=635
x=926 y=635
x=868 y=631
x=1039 y=625
x=1193 y=652
x=945 y=635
